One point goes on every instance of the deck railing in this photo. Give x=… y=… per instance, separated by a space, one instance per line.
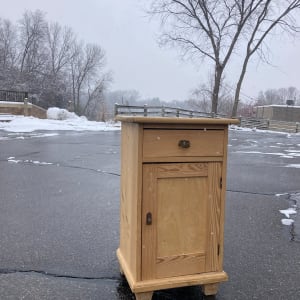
x=13 y=96
x=161 y=111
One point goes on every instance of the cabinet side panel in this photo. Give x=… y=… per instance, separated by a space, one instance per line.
x=130 y=198
x=223 y=199
x=214 y=213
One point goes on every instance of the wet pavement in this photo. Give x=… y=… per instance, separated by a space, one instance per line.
x=59 y=218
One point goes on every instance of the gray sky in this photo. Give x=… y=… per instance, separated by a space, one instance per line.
x=137 y=62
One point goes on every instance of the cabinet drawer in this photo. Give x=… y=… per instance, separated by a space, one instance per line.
x=182 y=143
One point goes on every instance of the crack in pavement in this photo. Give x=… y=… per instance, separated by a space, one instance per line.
x=294 y=198
x=251 y=193
x=41 y=272
x=57 y=164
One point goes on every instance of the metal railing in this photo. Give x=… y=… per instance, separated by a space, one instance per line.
x=161 y=111
x=13 y=96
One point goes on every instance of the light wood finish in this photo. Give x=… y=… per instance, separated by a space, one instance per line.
x=164 y=143
x=184 y=232
x=170 y=282
x=130 y=223
x=144 y=296
x=210 y=289
x=213 y=226
x=179 y=281
x=183 y=191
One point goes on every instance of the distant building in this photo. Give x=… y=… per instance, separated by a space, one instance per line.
x=288 y=113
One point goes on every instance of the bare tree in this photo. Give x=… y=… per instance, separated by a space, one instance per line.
x=201 y=99
x=270 y=16
x=95 y=106
x=47 y=60
x=32 y=29
x=7 y=44
x=58 y=43
x=8 y=54
x=215 y=30
x=86 y=64
x=278 y=96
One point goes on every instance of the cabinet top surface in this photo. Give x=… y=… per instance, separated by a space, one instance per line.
x=176 y=120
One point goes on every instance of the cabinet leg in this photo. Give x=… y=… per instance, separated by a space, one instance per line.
x=144 y=296
x=210 y=289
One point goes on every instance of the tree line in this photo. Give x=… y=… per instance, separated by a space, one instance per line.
x=52 y=64
x=57 y=69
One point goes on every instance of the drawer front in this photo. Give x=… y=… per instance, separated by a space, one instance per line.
x=182 y=143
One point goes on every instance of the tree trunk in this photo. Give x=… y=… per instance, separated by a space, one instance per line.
x=216 y=90
x=239 y=85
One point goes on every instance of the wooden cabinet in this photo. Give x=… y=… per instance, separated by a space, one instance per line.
x=173 y=174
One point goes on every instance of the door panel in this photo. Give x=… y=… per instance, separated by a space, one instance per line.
x=177 y=241
x=181 y=218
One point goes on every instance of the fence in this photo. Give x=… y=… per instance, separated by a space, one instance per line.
x=254 y=123
x=160 y=111
x=165 y=111
x=13 y=96
x=292 y=127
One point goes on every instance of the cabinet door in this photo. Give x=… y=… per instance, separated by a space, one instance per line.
x=180 y=219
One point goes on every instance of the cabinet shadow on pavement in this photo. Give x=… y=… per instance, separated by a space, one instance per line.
x=184 y=293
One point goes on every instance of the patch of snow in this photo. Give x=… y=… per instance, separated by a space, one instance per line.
x=237 y=128
x=28 y=161
x=55 y=113
x=288 y=212
x=30 y=124
x=279 y=195
x=14 y=160
x=287 y=156
x=15 y=102
x=6 y=117
x=297 y=166
x=259 y=152
x=292 y=151
x=250 y=152
x=287 y=222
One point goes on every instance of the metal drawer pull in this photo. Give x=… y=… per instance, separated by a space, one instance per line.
x=149 y=218
x=184 y=144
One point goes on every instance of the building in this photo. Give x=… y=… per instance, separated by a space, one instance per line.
x=288 y=113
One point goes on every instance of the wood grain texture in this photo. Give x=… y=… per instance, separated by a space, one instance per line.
x=130 y=202
x=223 y=199
x=179 y=281
x=164 y=143
x=180 y=188
x=210 y=289
x=213 y=226
x=144 y=296
x=177 y=242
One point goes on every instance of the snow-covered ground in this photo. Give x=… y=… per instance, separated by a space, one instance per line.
x=58 y=120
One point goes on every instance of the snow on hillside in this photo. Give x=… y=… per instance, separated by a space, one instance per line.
x=58 y=119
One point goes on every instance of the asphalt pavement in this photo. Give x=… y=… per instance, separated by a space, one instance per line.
x=59 y=218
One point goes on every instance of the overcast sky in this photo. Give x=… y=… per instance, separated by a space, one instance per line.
x=129 y=39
